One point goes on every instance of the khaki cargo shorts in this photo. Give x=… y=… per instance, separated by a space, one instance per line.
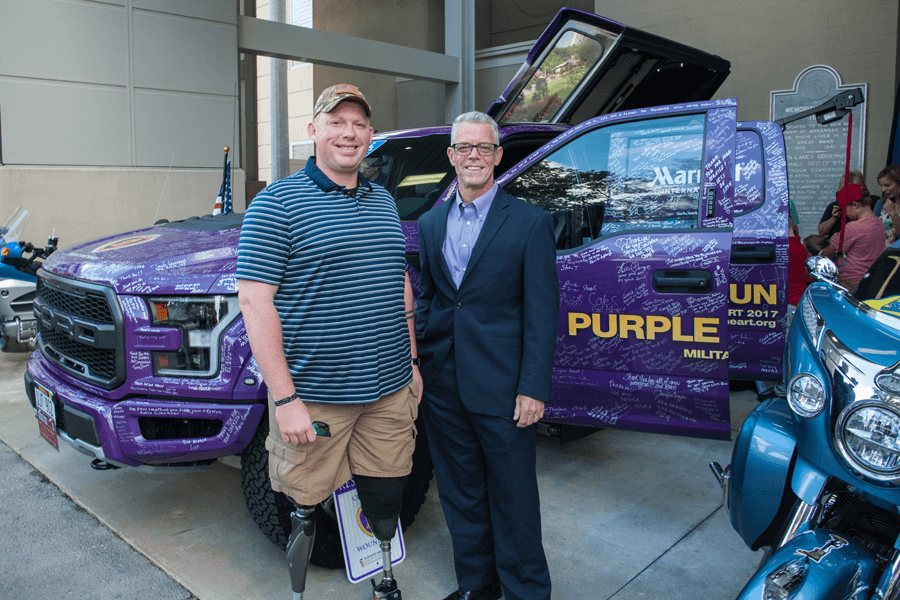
x=375 y=439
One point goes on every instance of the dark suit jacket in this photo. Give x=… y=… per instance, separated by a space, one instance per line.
x=502 y=321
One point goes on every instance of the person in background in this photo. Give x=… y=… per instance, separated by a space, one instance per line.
x=830 y=222
x=889 y=180
x=814 y=244
x=798 y=280
x=371 y=170
x=861 y=242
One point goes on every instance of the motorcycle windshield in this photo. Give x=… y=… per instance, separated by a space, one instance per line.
x=15 y=225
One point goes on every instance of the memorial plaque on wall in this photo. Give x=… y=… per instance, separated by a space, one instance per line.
x=817 y=154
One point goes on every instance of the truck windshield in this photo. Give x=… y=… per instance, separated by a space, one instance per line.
x=415 y=171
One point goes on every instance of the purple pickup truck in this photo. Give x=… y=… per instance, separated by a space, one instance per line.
x=671 y=231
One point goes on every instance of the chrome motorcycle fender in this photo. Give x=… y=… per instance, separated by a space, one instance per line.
x=762 y=461
x=18 y=327
x=815 y=564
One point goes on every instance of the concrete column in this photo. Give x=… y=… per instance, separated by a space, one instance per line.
x=459 y=41
x=249 y=117
x=281 y=164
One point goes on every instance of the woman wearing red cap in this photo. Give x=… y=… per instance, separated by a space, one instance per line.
x=862 y=238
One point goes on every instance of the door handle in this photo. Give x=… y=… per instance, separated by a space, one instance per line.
x=756 y=254
x=682 y=281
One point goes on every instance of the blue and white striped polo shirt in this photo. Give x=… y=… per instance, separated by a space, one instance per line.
x=339 y=264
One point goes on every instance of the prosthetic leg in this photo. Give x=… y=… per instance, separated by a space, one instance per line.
x=381 y=498
x=299 y=546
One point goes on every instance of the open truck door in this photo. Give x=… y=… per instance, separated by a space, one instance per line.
x=584 y=66
x=643 y=206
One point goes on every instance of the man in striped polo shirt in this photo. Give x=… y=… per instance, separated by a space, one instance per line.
x=327 y=308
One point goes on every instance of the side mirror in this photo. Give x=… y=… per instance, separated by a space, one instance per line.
x=822 y=269
x=10 y=253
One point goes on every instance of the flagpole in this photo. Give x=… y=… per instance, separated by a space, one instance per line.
x=219 y=206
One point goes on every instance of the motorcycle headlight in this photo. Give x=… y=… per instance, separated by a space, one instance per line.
x=202 y=320
x=868 y=437
x=806 y=395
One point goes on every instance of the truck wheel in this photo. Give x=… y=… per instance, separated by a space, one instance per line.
x=272 y=510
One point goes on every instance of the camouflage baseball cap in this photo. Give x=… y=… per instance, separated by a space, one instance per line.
x=334 y=95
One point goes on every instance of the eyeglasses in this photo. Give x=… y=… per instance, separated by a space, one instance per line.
x=484 y=149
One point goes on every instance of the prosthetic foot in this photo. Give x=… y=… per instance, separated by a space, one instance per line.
x=387 y=588
x=381 y=498
x=299 y=547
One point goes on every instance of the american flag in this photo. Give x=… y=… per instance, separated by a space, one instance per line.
x=223 y=201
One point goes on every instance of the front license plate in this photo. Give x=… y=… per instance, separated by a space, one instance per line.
x=46 y=414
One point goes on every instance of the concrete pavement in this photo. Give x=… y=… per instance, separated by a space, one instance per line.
x=626 y=515
x=51 y=548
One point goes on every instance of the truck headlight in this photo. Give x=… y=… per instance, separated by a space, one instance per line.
x=202 y=320
x=868 y=437
x=806 y=395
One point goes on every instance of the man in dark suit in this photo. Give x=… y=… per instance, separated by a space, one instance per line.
x=486 y=324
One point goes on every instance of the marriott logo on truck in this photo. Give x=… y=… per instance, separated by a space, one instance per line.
x=664 y=177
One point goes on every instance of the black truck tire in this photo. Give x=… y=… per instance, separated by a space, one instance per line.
x=272 y=510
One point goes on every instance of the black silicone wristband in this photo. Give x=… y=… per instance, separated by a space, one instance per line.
x=290 y=398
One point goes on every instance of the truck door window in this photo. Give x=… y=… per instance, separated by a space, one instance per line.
x=625 y=176
x=561 y=71
x=748 y=172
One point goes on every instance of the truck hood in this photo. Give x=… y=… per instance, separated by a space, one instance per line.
x=194 y=256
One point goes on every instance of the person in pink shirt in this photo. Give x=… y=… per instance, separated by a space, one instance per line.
x=889 y=180
x=863 y=241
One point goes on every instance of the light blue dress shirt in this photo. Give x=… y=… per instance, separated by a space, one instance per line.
x=464 y=222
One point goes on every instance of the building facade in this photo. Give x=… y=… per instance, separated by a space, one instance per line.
x=114 y=113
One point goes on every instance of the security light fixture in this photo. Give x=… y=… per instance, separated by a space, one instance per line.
x=833 y=109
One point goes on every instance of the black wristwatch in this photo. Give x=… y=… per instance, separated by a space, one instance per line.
x=417 y=362
x=290 y=398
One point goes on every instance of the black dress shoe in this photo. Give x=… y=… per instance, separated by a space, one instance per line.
x=490 y=592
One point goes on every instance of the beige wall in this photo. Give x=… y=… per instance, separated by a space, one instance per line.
x=85 y=203
x=413 y=23
x=143 y=83
x=513 y=21
x=769 y=42
x=99 y=98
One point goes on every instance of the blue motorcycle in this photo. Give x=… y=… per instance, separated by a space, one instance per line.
x=815 y=478
x=19 y=263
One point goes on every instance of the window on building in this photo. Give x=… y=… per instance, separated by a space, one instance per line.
x=302 y=16
x=302 y=150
